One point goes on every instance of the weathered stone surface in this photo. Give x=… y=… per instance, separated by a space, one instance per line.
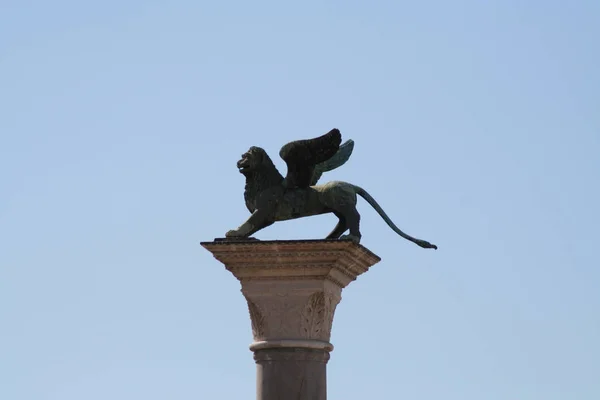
x=292 y=289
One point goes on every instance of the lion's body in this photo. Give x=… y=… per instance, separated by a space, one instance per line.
x=277 y=203
x=269 y=201
x=314 y=200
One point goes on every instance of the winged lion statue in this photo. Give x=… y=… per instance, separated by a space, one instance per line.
x=270 y=197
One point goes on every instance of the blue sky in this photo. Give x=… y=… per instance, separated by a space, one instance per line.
x=476 y=127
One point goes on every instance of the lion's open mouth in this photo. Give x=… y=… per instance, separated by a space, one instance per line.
x=243 y=164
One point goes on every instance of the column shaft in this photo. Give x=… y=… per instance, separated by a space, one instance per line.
x=291 y=373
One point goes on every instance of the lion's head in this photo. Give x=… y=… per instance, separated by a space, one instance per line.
x=252 y=160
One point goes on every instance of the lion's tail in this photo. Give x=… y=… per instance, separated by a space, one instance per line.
x=365 y=195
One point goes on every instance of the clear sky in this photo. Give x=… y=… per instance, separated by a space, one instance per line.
x=477 y=127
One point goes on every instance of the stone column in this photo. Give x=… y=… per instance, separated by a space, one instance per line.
x=292 y=289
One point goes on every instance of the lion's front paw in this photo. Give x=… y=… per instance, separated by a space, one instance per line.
x=233 y=233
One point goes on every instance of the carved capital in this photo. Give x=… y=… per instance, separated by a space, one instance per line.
x=304 y=313
x=293 y=287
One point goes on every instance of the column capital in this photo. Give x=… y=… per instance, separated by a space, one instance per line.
x=292 y=287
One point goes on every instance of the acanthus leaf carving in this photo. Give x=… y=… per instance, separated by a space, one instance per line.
x=330 y=306
x=313 y=316
x=257 y=320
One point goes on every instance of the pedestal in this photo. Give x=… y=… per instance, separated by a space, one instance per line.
x=292 y=289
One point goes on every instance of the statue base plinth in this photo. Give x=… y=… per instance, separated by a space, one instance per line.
x=292 y=288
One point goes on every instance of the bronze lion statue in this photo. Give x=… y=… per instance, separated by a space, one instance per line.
x=270 y=197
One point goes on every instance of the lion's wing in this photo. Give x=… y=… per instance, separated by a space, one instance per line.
x=302 y=157
x=339 y=159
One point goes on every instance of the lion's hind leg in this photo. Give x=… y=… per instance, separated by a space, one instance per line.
x=352 y=219
x=340 y=197
x=339 y=228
